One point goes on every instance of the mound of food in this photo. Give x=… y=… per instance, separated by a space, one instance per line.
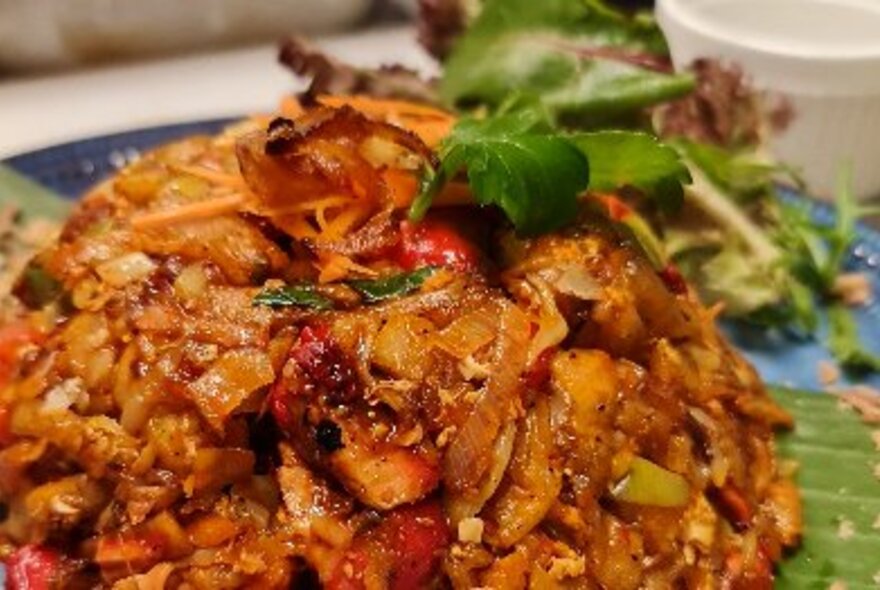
x=242 y=365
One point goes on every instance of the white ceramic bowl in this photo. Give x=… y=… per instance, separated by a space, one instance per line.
x=823 y=55
x=57 y=33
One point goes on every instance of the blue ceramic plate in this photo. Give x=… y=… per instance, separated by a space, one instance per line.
x=71 y=168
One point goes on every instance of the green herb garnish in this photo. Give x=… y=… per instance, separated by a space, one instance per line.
x=373 y=291
x=513 y=160
x=299 y=295
x=31 y=199
x=634 y=159
x=844 y=342
x=36 y=287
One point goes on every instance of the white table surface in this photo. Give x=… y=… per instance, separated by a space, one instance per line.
x=39 y=112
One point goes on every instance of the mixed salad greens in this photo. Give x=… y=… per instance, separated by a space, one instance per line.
x=551 y=89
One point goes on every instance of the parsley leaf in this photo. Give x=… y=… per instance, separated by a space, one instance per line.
x=582 y=59
x=844 y=343
x=299 y=295
x=512 y=162
x=625 y=158
x=373 y=291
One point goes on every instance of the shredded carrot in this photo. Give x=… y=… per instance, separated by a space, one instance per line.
x=334 y=267
x=189 y=212
x=311 y=205
x=297 y=226
x=291 y=107
x=454 y=193
x=617 y=209
x=715 y=311
x=344 y=221
x=212 y=176
x=429 y=123
x=402 y=184
x=383 y=106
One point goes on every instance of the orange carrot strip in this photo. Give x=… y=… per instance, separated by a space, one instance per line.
x=402 y=184
x=189 y=212
x=344 y=221
x=291 y=107
x=383 y=106
x=211 y=175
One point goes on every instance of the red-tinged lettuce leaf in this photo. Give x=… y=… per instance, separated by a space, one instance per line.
x=583 y=61
x=838 y=478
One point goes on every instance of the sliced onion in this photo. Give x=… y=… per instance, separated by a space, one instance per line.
x=229 y=382
x=214 y=468
x=125 y=269
x=533 y=483
x=191 y=282
x=154 y=579
x=575 y=280
x=63 y=395
x=461 y=507
x=552 y=327
x=469 y=455
x=469 y=333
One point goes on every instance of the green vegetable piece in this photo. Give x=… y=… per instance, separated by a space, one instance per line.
x=32 y=199
x=582 y=59
x=394 y=286
x=36 y=287
x=742 y=174
x=651 y=485
x=299 y=295
x=840 y=492
x=844 y=342
x=624 y=158
x=533 y=176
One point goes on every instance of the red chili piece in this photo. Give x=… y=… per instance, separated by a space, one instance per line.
x=538 y=373
x=673 y=279
x=732 y=505
x=12 y=338
x=419 y=537
x=405 y=549
x=435 y=243
x=325 y=366
x=31 y=568
x=324 y=369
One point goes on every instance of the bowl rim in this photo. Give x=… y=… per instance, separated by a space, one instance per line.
x=681 y=11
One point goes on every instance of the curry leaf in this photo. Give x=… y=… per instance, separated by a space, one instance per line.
x=373 y=291
x=841 y=494
x=582 y=59
x=300 y=295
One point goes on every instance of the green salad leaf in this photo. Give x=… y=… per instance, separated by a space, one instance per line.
x=582 y=59
x=30 y=198
x=740 y=173
x=298 y=295
x=836 y=460
x=512 y=162
x=634 y=159
x=373 y=291
x=844 y=342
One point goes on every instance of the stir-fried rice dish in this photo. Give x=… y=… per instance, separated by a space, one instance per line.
x=242 y=364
